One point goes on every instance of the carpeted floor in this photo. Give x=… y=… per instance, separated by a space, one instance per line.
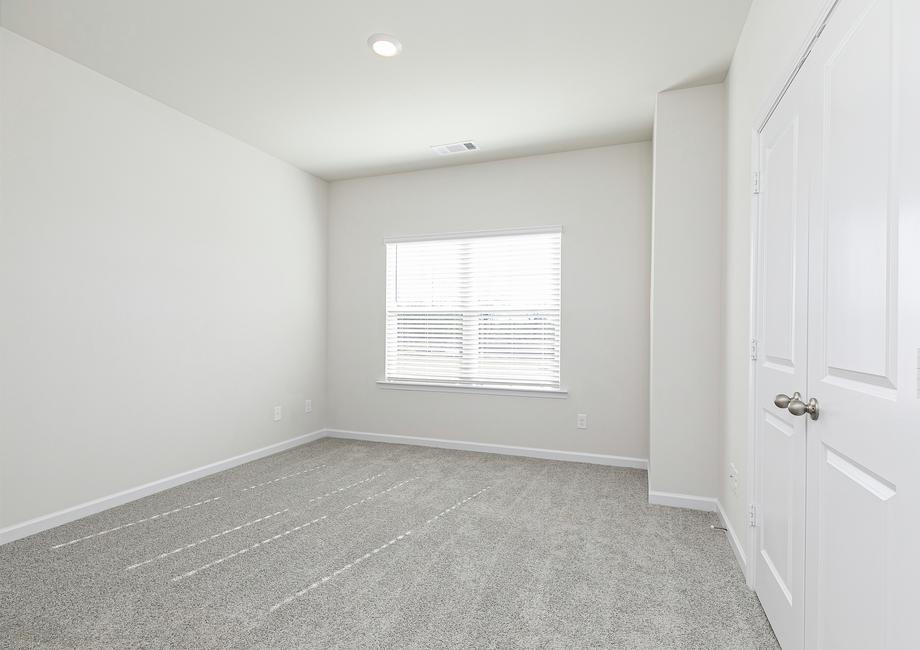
x=365 y=545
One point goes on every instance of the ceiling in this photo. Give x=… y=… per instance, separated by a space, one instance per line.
x=296 y=79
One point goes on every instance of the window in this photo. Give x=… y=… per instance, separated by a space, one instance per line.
x=478 y=310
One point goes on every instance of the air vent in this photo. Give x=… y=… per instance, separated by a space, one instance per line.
x=454 y=147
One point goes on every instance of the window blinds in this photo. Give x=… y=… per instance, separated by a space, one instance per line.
x=477 y=310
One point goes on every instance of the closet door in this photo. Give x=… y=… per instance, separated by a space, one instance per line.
x=787 y=163
x=864 y=333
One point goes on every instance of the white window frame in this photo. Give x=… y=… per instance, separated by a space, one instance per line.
x=491 y=389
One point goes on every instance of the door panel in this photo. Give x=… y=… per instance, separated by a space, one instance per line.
x=860 y=210
x=780 y=450
x=781 y=368
x=841 y=159
x=855 y=511
x=858 y=284
x=779 y=241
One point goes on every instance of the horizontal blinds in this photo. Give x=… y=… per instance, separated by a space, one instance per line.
x=476 y=310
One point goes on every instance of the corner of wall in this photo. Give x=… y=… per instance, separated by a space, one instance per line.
x=684 y=438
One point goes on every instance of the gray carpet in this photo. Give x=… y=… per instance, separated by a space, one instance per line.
x=363 y=545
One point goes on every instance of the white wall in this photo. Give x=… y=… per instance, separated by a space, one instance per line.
x=602 y=199
x=770 y=42
x=162 y=286
x=686 y=301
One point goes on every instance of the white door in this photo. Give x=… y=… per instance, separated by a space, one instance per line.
x=787 y=153
x=864 y=334
x=838 y=540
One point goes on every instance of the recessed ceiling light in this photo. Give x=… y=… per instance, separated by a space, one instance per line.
x=384 y=45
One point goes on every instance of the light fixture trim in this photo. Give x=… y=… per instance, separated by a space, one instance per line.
x=385 y=45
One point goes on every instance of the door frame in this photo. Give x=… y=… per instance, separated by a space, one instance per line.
x=763 y=116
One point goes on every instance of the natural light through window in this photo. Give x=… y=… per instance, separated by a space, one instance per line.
x=478 y=310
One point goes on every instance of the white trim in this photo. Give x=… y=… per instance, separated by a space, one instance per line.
x=503 y=232
x=706 y=504
x=754 y=273
x=733 y=540
x=508 y=450
x=793 y=65
x=675 y=500
x=558 y=393
x=32 y=526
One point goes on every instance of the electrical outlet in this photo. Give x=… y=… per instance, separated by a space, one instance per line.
x=308 y=406
x=581 y=421
x=733 y=478
x=277 y=415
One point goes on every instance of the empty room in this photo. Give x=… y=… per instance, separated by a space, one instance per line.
x=481 y=324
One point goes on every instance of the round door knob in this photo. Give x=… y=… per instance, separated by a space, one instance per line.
x=798 y=407
x=782 y=401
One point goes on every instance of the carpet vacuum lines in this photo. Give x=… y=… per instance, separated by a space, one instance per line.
x=221 y=560
x=381 y=493
x=207 y=539
x=399 y=538
x=283 y=478
x=193 y=505
x=135 y=523
x=269 y=540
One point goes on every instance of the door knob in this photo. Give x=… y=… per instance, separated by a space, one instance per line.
x=782 y=401
x=798 y=407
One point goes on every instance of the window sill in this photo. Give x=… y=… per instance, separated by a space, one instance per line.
x=552 y=393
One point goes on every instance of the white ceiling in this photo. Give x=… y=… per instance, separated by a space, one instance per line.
x=296 y=78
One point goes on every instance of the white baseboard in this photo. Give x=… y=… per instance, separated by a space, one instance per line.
x=508 y=450
x=737 y=547
x=32 y=526
x=707 y=504
x=676 y=500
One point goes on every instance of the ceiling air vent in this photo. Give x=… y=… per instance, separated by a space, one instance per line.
x=454 y=147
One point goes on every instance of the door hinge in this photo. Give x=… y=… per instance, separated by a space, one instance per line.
x=753 y=349
x=755 y=183
x=752 y=515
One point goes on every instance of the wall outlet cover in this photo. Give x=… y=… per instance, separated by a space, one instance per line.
x=733 y=477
